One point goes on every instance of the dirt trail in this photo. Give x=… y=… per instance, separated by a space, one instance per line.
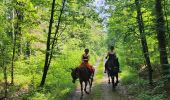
x=101 y=90
x=109 y=94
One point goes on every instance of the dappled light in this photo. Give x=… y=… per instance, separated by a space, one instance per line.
x=84 y=50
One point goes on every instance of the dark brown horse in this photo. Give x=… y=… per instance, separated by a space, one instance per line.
x=112 y=69
x=84 y=76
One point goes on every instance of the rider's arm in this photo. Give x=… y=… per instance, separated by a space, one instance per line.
x=107 y=55
x=82 y=57
x=117 y=62
x=88 y=57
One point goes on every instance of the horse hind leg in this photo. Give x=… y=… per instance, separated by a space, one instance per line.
x=109 y=81
x=113 y=82
x=90 y=84
x=108 y=78
x=85 y=88
x=81 y=83
x=117 y=80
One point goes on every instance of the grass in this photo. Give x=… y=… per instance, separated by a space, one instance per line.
x=128 y=76
x=100 y=70
x=139 y=88
x=28 y=73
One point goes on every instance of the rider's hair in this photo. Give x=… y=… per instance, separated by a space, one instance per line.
x=86 y=50
x=112 y=47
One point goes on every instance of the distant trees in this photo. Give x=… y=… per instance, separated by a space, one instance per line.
x=150 y=23
x=18 y=19
x=2 y=48
x=74 y=26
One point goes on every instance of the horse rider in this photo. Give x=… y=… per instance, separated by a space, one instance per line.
x=111 y=56
x=85 y=58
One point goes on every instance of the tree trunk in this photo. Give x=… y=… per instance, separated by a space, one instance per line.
x=28 y=51
x=20 y=17
x=166 y=17
x=143 y=39
x=48 y=46
x=160 y=29
x=49 y=51
x=5 y=72
x=13 y=51
x=165 y=7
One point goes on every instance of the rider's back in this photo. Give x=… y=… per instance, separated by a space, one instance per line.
x=112 y=56
x=112 y=59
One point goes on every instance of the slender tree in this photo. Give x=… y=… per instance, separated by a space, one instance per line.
x=48 y=45
x=18 y=26
x=166 y=15
x=51 y=44
x=160 y=29
x=143 y=39
x=4 y=69
x=14 y=49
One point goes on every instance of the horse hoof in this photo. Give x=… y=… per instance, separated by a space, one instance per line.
x=109 y=82
x=87 y=92
x=113 y=86
x=90 y=89
x=113 y=89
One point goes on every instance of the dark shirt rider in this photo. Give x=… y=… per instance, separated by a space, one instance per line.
x=111 y=56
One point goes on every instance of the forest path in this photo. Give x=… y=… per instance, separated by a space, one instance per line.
x=101 y=90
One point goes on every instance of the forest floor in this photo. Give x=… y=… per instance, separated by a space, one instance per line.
x=101 y=90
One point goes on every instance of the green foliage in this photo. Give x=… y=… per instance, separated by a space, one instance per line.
x=81 y=27
x=59 y=82
x=70 y=46
x=146 y=96
x=138 y=87
x=82 y=34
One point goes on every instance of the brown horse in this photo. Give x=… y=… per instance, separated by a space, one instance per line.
x=84 y=75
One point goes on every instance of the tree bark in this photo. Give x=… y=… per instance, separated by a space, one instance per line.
x=48 y=46
x=28 y=51
x=19 y=14
x=143 y=39
x=49 y=51
x=166 y=17
x=5 y=72
x=165 y=7
x=160 y=29
x=13 y=51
